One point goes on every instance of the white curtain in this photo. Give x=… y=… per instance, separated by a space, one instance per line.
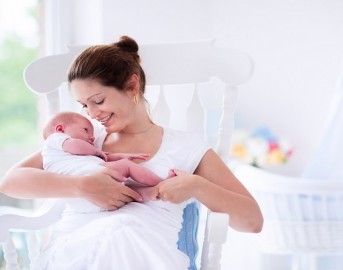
x=327 y=161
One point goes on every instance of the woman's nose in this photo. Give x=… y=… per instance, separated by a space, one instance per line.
x=92 y=112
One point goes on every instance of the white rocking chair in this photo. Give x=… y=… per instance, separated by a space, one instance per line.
x=182 y=74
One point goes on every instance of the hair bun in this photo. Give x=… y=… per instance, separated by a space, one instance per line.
x=127 y=44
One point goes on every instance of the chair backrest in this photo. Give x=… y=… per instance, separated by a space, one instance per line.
x=208 y=78
x=191 y=86
x=301 y=215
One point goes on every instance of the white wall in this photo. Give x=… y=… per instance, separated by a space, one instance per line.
x=296 y=45
x=297 y=48
x=157 y=21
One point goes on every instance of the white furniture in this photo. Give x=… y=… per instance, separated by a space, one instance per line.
x=303 y=217
x=192 y=86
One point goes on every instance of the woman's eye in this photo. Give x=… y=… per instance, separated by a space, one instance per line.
x=99 y=102
x=84 y=106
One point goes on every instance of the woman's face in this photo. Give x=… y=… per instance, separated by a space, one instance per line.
x=111 y=107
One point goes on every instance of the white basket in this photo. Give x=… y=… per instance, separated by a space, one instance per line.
x=302 y=216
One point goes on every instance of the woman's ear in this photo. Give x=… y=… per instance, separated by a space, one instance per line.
x=59 y=128
x=133 y=85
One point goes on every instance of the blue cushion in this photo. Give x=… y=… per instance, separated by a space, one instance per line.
x=188 y=234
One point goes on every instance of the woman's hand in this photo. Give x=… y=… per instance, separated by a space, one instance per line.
x=105 y=189
x=176 y=189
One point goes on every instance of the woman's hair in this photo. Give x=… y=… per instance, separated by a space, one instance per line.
x=111 y=65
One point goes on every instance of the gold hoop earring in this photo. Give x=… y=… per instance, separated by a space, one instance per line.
x=135 y=99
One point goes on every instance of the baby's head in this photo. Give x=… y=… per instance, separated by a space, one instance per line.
x=71 y=123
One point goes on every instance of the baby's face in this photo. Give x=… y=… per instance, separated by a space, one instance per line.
x=82 y=129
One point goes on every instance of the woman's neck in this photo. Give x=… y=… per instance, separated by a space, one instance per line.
x=141 y=129
x=147 y=141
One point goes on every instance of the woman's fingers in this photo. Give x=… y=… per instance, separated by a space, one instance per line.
x=125 y=193
x=177 y=188
x=104 y=189
x=120 y=196
x=131 y=194
x=114 y=205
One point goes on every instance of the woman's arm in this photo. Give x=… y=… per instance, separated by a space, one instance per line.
x=215 y=186
x=224 y=193
x=27 y=180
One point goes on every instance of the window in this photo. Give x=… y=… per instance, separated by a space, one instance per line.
x=19 y=43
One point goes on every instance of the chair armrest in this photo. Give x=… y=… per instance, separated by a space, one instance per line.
x=217 y=225
x=12 y=218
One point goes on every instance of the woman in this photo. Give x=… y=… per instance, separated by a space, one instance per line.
x=108 y=81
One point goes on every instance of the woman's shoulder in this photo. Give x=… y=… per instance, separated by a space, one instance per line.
x=188 y=148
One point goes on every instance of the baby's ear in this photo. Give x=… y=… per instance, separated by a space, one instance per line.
x=59 y=128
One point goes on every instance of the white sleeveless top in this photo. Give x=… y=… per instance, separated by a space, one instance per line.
x=137 y=236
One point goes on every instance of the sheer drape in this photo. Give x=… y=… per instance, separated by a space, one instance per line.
x=327 y=161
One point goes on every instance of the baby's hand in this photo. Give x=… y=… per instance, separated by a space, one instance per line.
x=101 y=155
x=141 y=156
x=129 y=156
